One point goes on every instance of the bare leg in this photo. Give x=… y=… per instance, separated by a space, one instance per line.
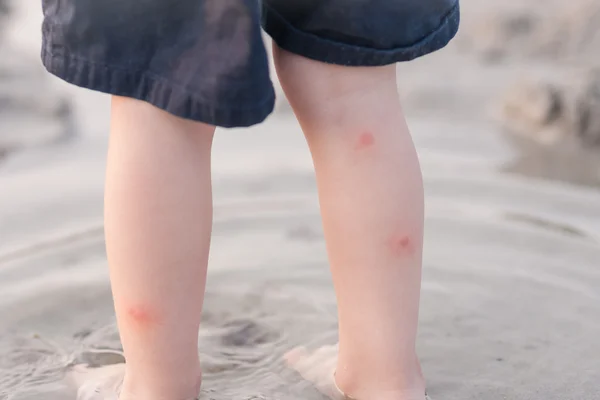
x=158 y=224
x=371 y=195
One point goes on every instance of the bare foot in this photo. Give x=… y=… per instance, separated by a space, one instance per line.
x=318 y=367
x=102 y=383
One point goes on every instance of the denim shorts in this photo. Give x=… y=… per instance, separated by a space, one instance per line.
x=205 y=60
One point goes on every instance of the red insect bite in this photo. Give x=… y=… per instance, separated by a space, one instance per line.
x=365 y=140
x=401 y=246
x=142 y=316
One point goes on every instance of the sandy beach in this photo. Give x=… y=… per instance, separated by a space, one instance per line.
x=511 y=298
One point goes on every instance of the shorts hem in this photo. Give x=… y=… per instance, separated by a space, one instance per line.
x=309 y=45
x=151 y=88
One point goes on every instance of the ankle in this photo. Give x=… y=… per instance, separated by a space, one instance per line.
x=359 y=390
x=173 y=387
x=363 y=382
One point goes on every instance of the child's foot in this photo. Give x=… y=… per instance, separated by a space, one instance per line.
x=105 y=383
x=102 y=383
x=319 y=368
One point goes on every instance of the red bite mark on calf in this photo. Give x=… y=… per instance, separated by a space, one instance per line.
x=365 y=140
x=143 y=316
x=401 y=246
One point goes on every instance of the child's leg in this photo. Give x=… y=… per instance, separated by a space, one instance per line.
x=158 y=224
x=371 y=196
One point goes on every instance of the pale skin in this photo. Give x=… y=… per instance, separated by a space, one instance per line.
x=158 y=226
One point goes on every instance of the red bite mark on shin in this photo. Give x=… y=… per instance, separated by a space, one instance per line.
x=143 y=316
x=365 y=140
x=401 y=246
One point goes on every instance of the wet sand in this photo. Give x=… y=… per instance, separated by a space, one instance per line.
x=510 y=304
x=510 y=298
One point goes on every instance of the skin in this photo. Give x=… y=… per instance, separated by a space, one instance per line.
x=365 y=141
x=371 y=197
x=158 y=226
x=158 y=217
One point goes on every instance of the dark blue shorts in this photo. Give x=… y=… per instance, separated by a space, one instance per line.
x=205 y=59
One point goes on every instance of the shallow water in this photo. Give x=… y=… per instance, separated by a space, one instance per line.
x=510 y=309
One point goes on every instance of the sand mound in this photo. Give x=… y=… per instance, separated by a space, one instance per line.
x=551 y=112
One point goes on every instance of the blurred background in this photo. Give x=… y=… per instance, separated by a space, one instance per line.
x=506 y=120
